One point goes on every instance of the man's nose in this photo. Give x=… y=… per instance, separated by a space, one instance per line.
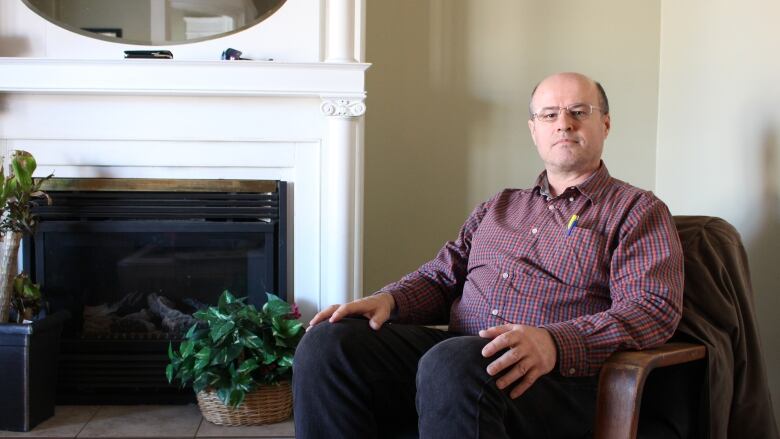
x=565 y=121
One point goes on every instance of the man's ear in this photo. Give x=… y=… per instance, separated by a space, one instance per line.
x=531 y=127
x=607 y=125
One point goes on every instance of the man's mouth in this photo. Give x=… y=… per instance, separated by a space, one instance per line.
x=565 y=140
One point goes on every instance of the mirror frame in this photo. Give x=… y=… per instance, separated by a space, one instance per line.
x=119 y=40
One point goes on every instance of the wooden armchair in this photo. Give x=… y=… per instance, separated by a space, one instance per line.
x=622 y=381
x=718 y=316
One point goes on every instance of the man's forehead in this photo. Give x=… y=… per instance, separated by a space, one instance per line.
x=565 y=89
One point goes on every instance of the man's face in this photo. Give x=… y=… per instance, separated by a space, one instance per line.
x=568 y=145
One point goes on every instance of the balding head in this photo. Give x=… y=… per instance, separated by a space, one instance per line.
x=602 y=95
x=570 y=138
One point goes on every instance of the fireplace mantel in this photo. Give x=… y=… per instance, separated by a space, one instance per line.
x=183 y=78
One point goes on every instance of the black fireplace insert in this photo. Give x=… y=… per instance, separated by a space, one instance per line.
x=133 y=259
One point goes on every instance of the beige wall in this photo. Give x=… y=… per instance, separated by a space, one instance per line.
x=447 y=107
x=719 y=134
x=446 y=127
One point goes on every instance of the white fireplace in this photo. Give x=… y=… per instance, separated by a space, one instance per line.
x=85 y=112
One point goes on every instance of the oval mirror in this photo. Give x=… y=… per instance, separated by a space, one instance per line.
x=154 y=22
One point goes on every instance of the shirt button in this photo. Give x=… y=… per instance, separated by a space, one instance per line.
x=505 y=275
x=494 y=312
x=572 y=371
x=551 y=207
x=534 y=230
x=571 y=198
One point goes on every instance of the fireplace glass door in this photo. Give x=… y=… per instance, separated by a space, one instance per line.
x=116 y=278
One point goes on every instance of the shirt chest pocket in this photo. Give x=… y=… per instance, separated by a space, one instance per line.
x=578 y=259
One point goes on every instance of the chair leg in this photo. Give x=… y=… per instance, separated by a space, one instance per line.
x=621 y=382
x=619 y=400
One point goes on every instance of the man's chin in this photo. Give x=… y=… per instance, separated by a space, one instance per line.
x=571 y=166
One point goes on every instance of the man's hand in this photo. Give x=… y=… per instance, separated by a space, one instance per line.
x=376 y=308
x=531 y=353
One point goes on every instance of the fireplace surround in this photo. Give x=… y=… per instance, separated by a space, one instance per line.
x=86 y=113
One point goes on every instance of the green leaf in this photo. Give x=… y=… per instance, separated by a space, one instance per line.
x=286 y=361
x=224 y=395
x=251 y=340
x=23 y=165
x=236 y=397
x=172 y=355
x=268 y=357
x=219 y=331
x=200 y=383
x=203 y=358
x=276 y=306
x=225 y=299
x=191 y=332
x=286 y=328
x=186 y=348
x=169 y=372
x=232 y=352
x=244 y=382
x=248 y=366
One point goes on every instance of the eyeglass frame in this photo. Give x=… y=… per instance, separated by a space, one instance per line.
x=535 y=116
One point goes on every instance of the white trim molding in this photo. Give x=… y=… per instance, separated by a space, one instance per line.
x=182 y=78
x=343 y=107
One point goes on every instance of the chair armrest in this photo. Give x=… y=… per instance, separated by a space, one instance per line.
x=622 y=380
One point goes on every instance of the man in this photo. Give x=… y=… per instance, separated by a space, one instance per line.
x=540 y=286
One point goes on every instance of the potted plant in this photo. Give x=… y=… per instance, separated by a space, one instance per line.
x=29 y=347
x=19 y=193
x=239 y=360
x=27 y=300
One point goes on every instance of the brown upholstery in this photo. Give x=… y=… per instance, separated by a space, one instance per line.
x=718 y=316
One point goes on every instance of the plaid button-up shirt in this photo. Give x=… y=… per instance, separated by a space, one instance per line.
x=612 y=281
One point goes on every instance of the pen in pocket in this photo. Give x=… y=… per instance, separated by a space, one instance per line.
x=572 y=224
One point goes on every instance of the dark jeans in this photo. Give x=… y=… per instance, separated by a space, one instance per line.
x=352 y=382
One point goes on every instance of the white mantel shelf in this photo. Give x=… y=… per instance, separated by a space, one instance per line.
x=183 y=78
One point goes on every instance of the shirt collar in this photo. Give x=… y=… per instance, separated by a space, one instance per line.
x=592 y=188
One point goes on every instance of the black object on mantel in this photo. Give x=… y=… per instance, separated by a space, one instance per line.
x=233 y=54
x=148 y=54
x=28 y=365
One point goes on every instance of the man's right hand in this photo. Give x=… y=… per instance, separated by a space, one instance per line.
x=376 y=309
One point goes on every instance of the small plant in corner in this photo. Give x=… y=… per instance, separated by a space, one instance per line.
x=27 y=298
x=19 y=194
x=235 y=348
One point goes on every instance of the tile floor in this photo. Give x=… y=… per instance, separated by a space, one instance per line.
x=143 y=421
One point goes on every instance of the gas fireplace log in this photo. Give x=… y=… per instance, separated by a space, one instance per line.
x=195 y=304
x=173 y=320
x=140 y=321
x=129 y=304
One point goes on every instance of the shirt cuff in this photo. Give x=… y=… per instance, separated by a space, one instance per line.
x=400 y=312
x=572 y=352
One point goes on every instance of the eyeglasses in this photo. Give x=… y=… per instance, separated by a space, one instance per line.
x=577 y=112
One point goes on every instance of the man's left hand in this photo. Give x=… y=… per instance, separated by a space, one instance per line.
x=531 y=353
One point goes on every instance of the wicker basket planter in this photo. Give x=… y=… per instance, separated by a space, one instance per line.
x=265 y=405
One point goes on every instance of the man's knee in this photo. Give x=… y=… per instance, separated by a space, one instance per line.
x=326 y=342
x=455 y=362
